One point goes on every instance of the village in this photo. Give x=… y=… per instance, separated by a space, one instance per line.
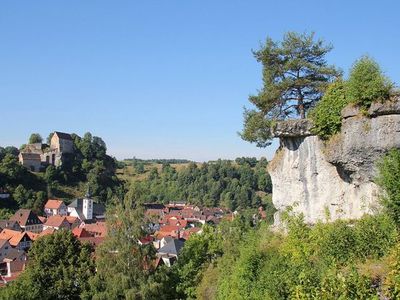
x=169 y=227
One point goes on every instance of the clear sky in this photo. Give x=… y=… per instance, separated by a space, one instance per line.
x=164 y=79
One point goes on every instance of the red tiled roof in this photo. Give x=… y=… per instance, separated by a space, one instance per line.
x=25 y=217
x=47 y=231
x=53 y=204
x=169 y=228
x=33 y=236
x=14 y=237
x=55 y=221
x=81 y=232
x=98 y=229
x=146 y=240
x=71 y=220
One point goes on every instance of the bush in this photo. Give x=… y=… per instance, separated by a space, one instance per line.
x=367 y=83
x=375 y=236
x=327 y=114
x=389 y=180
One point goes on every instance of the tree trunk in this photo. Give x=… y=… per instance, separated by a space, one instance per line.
x=300 y=107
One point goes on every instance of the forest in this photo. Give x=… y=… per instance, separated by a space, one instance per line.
x=242 y=183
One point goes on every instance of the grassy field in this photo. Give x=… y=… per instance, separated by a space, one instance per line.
x=129 y=174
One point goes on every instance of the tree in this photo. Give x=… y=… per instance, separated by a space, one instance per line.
x=326 y=115
x=198 y=252
x=123 y=266
x=35 y=138
x=59 y=268
x=50 y=136
x=367 y=83
x=295 y=75
x=389 y=180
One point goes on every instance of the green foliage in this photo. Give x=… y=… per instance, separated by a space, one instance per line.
x=123 y=266
x=326 y=115
x=320 y=262
x=59 y=268
x=219 y=183
x=35 y=138
x=256 y=128
x=392 y=281
x=367 y=83
x=295 y=75
x=389 y=180
x=197 y=253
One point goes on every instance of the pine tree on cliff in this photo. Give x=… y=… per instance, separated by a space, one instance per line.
x=295 y=75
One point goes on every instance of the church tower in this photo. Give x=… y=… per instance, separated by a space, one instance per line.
x=87 y=206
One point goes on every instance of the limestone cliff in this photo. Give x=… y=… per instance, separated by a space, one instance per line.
x=334 y=179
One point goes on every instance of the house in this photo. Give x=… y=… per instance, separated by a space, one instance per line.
x=168 y=230
x=62 y=142
x=169 y=253
x=28 y=220
x=5 y=248
x=55 y=207
x=14 y=269
x=188 y=232
x=81 y=233
x=73 y=221
x=86 y=209
x=97 y=229
x=31 y=161
x=13 y=225
x=57 y=222
x=17 y=240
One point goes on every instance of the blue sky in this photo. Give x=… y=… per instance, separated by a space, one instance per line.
x=164 y=79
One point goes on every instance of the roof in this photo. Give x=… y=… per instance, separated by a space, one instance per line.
x=98 y=229
x=33 y=236
x=8 y=223
x=173 y=247
x=42 y=219
x=71 y=220
x=53 y=204
x=3 y=242
x=62 y=135
x=14 y=237
x=47 y=231
x=169 y=228
x=81 y=232
x=25 y=217
x=55 y=221
x=15 y=254
x=30 y=156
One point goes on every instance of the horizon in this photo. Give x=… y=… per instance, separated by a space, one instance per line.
x=166 y=80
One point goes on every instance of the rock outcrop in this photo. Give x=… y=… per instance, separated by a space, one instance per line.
x=335 y=179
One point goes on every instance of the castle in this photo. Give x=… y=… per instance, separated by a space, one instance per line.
x=35 y=157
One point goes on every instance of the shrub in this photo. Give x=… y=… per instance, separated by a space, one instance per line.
x=375 y=236
x=327 y=114
x=389 y=180
x=367 y=83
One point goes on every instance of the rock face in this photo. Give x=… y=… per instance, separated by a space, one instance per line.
x=328 y=181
